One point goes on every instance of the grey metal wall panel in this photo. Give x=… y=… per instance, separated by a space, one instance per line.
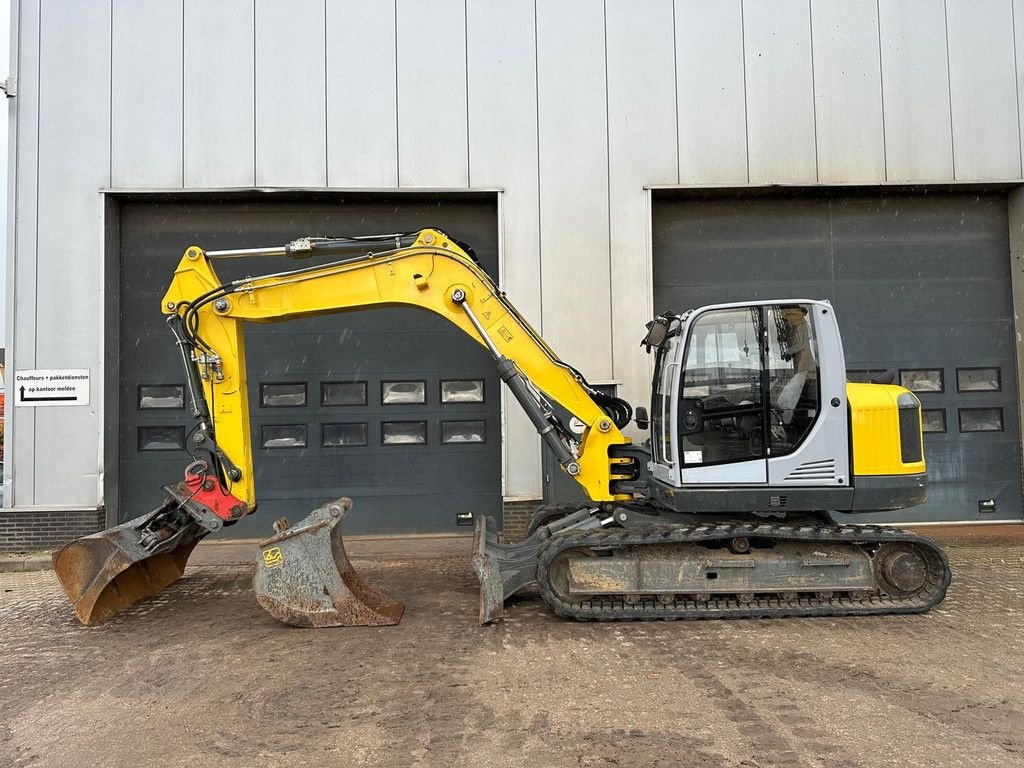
x=642 y=149
x=10 y=241
x=915 y=90
x=501 y=51
x=918 y=281
x=847 y=91
x=146 y=93
x=19 y=435
x=291 y=108
x=983 y=89
x=711 y=92
x=74 y=163
x=220 y=120
x=362 y=119
x=433 y=142
x=574 y=183
x=780 y=91
x=1018 y=51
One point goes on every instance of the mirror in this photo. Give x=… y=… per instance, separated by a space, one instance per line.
x=657 y=331
x=642 y=418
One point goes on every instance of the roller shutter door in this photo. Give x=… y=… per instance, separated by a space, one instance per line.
x=395 y=408
x=920 y=282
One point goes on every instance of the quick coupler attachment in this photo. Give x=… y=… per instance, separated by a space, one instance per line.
x=304 y=578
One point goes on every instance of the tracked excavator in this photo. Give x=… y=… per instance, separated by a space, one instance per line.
x=737 y=506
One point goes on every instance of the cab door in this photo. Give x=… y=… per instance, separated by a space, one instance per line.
x=722 y=398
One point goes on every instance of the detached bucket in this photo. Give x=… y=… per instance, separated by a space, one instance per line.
x=304 y=578
x=108 y=571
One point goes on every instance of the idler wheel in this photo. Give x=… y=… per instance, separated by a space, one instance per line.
x=900 y=569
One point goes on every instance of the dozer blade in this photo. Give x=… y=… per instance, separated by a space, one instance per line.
x=304 y=578
x=106 y=572
x=504 y=569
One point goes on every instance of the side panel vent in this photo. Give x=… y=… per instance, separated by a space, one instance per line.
x=824 y=469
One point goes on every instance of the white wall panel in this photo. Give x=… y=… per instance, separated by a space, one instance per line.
x=847 y=91
x=74 y=164
x=146 y=95
x=502 y=87
x=983 y=89
x=220 y=93
x=780 y=91
x=642 y=150
x=573 y=147
x=19 y=436
x=433 y=149
x=362 y=121
x=711 y=97
x=291 y=108
x=915 y=90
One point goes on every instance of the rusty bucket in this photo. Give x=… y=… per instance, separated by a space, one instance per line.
x=304 y=578
x=106 y=572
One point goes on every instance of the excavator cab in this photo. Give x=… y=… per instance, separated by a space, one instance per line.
x=746 y=393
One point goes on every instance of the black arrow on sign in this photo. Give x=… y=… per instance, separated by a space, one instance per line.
x=44 y=399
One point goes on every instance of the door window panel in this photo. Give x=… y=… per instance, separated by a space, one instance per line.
x=161 y=438
x=404 y=433
x=462 y=391
x=339 y=435
x=343 y=393
x=160 y=397
x=403 y=392
x=462 y=432
x=721 y=408
x=981 y=419
x=978 y=380
x=283 y=436
x=933 y=420
x=923 y=380
x=792 y=376
x=661 y=424
x=282 y=395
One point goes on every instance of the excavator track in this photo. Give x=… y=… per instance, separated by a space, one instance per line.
x=892 y=557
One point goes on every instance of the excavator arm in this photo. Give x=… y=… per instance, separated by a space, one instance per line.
x=429 y=270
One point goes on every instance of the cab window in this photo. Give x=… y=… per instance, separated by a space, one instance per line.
x=792 y=375
x=661 y=415
x=721 y=408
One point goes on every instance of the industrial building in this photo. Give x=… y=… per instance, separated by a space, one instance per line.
x=606 y=160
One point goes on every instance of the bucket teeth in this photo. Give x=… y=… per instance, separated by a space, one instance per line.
x=304 y=578
x=108 y=571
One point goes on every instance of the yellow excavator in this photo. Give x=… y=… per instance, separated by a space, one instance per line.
x=737 y=505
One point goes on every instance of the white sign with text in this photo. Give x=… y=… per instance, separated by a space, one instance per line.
x=52 y=386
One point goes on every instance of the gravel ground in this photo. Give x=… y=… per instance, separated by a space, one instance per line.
x=200 y=676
